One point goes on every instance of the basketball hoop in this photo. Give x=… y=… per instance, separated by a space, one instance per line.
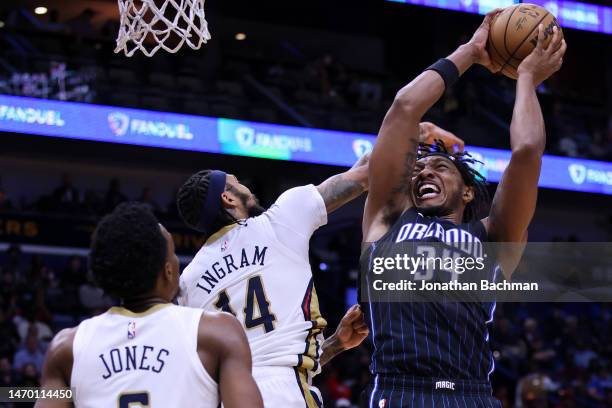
x=146 y=27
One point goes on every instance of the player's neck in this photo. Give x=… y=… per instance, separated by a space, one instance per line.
x=455 y=218
x=239 y=213
x=141 y=304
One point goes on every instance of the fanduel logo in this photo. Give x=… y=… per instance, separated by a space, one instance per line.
x=577 y=173
x=121 y=124
x=31 y=115
x=580 y=174
x=248 y=137
x=118 y=123
x=361 y=147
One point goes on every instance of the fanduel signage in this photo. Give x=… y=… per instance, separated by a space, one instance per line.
x=121 y=124
x=263 y=140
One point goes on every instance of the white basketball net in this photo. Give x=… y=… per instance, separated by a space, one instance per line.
x=148 y=28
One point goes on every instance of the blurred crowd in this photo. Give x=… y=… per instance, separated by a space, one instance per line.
x=66 y=198
x=39 y=296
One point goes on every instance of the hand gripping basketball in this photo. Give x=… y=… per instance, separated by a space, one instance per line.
x=543 y=62
x=430 y=132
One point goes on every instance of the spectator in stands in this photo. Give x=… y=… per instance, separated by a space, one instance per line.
x=13 y=264
x=330 y=76
x=74 y=275
x=7 y=375
x=8 y=293
x=600 y=382
x=30 y=354
x=336 y=388
x=93 y=299
x=82 y=25
x=147 y=198
x=532 y=390
x=598 y=150
x=110 y=28
x=114 y=196
x=584 y=354
x=9 y=335
x=30 y=376
x=53 y=24
x=31 y=325
x=568 y=146
x=5 y=202
x=66 y=197
x=92 y=203
x=63 y=298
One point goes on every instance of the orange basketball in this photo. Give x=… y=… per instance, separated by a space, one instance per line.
x=514 y=34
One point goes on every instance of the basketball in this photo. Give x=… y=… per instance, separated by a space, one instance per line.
x=514 y=34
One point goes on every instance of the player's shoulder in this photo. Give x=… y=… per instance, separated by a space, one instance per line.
x=60 y=348
x=297 y=197
x=211 y=321
x=219 y=330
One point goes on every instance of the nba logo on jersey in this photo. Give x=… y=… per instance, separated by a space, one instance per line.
x=224 y=246
x=382 y=403
x=131 y=330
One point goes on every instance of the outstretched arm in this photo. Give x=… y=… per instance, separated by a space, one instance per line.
x=515 y=199
x=221 y=340
x=350 y=333
x=344 y=187
x=57 y=368
x=394 y=154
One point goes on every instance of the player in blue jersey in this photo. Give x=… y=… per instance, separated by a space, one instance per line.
x=436 y=354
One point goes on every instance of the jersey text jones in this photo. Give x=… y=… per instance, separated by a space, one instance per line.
x=132 y=358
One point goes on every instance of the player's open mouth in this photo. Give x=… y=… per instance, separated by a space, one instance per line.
x=427 y=190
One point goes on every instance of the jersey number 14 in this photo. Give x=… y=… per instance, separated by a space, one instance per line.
x=257 y=307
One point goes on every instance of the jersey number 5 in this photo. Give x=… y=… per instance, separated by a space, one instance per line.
x=133 y=399
x=256 y=301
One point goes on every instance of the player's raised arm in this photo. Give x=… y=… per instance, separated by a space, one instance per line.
x=57 y=368
x=221 y=340
x=394 y=154
x=344 y=187
x=514 y=202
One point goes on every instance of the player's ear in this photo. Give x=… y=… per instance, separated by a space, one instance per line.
x=168 y=271
x=468 y=194
x=228 y=200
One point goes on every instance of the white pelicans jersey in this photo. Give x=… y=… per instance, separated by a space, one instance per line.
x=259 y=271
x=124 y=359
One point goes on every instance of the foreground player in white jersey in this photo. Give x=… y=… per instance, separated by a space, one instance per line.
x=148 y=352
x=255 y=265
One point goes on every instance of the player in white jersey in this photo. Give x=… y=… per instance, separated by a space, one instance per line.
x=148 y=352
x=255 y=265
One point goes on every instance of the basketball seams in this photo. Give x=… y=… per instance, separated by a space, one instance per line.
x=507 y=61
x=506 y=30
x=529 y=35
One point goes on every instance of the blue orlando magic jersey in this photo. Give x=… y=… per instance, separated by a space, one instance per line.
x=442 y=338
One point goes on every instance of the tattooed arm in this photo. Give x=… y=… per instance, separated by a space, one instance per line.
x=344 y=187
x=351 y=331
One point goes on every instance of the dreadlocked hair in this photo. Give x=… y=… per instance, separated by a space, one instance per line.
x=464 y=162
x=190 y=202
